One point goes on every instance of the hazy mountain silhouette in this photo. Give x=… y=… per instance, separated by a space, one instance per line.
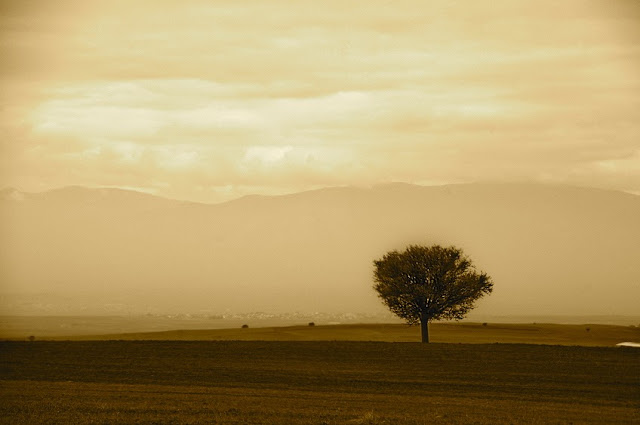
x=550 y=249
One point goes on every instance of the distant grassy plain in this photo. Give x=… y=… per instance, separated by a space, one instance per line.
x=472 y=333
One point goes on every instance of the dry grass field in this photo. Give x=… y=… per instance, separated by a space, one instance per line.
x=317 y=382
x=462 y=332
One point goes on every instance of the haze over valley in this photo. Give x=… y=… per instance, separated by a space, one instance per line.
x=551 y=250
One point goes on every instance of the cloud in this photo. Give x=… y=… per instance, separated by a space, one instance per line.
x=207 y=101
x=266 y=155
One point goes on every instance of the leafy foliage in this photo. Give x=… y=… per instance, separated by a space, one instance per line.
x=428 y=283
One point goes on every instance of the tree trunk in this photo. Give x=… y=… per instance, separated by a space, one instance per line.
x=424 y=326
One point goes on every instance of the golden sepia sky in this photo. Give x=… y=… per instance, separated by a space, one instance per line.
x=209 y=101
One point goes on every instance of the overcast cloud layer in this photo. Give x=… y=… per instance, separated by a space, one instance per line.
x=209 y=101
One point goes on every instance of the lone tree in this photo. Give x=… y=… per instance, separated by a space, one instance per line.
x=429 y=283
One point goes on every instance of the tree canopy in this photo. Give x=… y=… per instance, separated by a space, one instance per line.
x=422 y=284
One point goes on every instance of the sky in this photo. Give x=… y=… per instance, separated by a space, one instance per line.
x=210 y=101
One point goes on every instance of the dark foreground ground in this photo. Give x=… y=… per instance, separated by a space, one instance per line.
x=316 y=382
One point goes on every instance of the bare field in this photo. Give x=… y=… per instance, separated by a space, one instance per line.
x=315 y=382
x=471 y=333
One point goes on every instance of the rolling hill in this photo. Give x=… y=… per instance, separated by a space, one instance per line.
x=550 y=249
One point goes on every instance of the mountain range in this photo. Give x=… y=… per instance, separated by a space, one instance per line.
x=549 y=249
